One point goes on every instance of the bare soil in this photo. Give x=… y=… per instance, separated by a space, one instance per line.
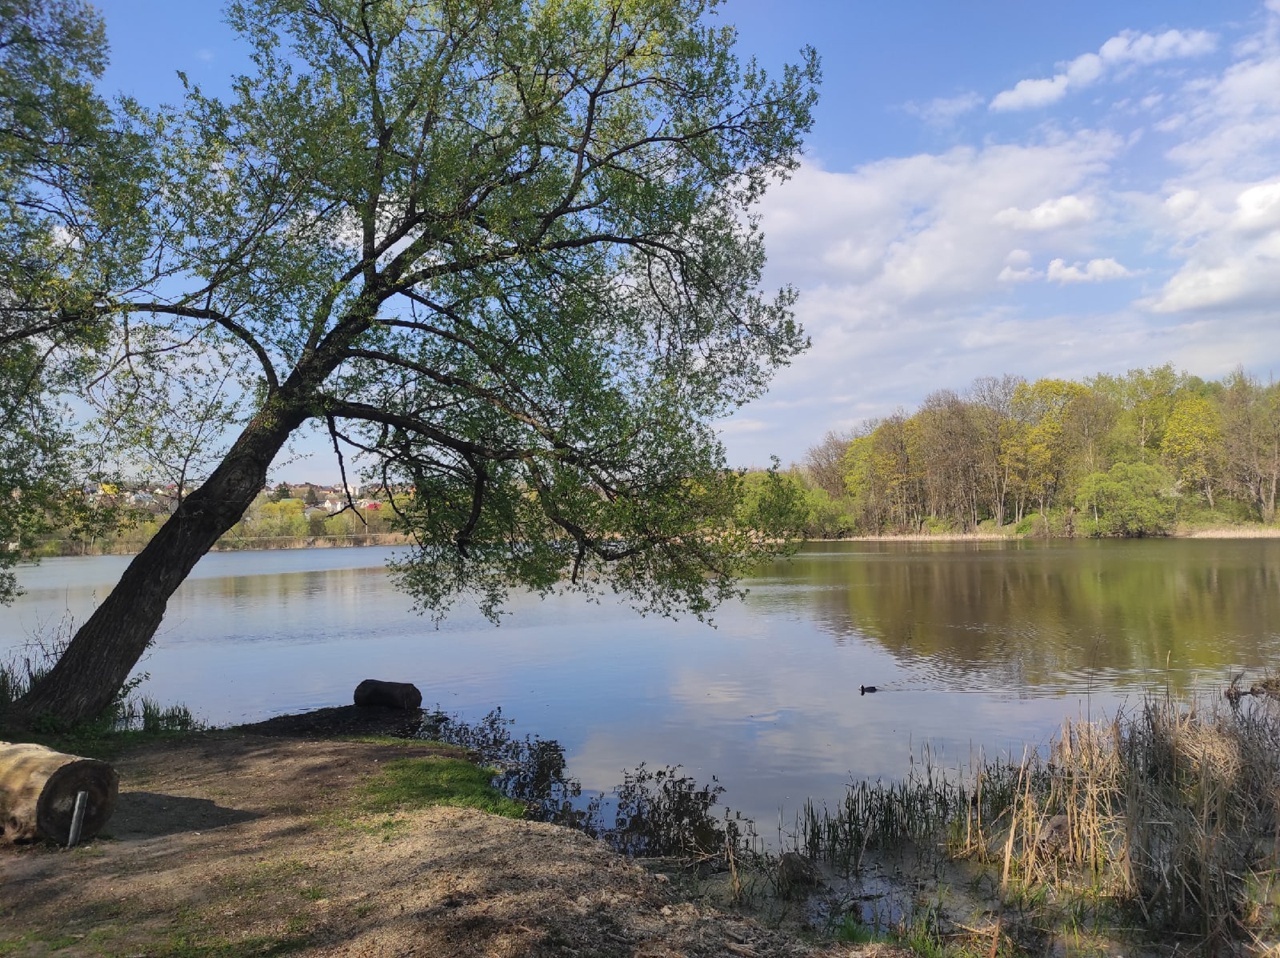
x=253 y=842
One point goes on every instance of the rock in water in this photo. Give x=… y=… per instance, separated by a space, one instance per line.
x=392 y=695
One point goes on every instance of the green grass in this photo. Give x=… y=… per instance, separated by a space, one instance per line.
x=410 y=783
x=853 y=932
x=261 y=946
x=55 y=941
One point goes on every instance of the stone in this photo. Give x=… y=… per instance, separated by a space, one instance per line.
x=392 y=695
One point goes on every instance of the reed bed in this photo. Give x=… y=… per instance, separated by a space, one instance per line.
x=1162 y=818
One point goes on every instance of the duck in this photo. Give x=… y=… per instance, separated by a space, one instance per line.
x=867 y=688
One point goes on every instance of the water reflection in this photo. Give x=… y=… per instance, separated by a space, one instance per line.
x=1045 y=616
x=974 y=646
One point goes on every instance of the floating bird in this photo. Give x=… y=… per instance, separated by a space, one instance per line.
x=867 y=688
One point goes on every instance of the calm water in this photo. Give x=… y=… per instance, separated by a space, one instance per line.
x=972 y=646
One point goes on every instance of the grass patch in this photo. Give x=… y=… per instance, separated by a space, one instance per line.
x=261 y=946
x=410 y=783
x=53 y=942
x=125 y=721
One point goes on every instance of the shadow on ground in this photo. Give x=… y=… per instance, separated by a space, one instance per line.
x=151 y=814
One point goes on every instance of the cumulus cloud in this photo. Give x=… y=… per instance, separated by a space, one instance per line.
x=1022 y=252
x=931 y=227
x=1054 y=213
x=1125 y=49
x=1011 y=274
x=1229 y=239
x=1258 y=207
x=1017 y=268
x=1094 y=271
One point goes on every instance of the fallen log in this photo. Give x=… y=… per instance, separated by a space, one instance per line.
x=38 y=789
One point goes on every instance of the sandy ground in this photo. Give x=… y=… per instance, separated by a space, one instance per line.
x=236 y=843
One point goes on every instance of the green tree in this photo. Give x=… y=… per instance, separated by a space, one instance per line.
x=774 y=500
x=1131 y=499
x=279 y=518
x=60 y=151
x=500 y=249
x=882 y=477
x=1149 y=397
x=1037 y=450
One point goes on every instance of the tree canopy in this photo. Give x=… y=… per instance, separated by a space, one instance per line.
x=1131 y=453
x=501 y=251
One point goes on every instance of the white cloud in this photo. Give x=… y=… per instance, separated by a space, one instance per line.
x=1094 y=271
x=1011 y=274
x=1228 y=236
x=944 y=111
x=1232 y=126
x=1145 y=48
x=740 y=425
x=1058 y=250
x=931 y=228
x=1056 y=213
x=1017 y=268
x=1030 y=94
x=1125 y=49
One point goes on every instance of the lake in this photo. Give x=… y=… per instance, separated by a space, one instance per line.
x=973 y=646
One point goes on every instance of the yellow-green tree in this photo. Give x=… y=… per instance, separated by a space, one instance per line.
x=1193 y=444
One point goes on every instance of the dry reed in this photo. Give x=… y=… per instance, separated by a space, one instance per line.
x=1165 y=816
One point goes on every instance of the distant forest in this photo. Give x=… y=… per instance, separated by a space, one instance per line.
x=1127 y=455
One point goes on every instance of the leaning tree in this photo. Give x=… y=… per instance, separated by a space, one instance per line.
x=502 y=252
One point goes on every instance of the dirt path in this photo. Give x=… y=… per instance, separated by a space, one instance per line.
x=237 y=844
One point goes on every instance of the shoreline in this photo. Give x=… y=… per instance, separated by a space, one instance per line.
x=1208 y=532
x=291 y=543
x=232 y=842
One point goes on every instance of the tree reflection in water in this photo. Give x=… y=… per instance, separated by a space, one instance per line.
x=650 y=813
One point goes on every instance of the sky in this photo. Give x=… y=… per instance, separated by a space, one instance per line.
x=1047 y=190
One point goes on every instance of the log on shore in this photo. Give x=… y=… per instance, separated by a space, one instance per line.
x=38 y=789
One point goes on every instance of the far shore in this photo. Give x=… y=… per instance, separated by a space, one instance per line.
x=1208 y=532
x=282 y=543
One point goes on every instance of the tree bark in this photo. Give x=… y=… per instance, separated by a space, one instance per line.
x=38 y=789
x=99 y=658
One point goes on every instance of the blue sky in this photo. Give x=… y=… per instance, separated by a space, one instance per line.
x=990 y=187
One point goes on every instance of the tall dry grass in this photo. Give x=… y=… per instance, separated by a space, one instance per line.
x=1164 y=817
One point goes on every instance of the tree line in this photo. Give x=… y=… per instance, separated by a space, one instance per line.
x=1125 y=455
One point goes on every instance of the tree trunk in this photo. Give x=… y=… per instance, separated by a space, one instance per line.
x=100 y=656
x=38 y=789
